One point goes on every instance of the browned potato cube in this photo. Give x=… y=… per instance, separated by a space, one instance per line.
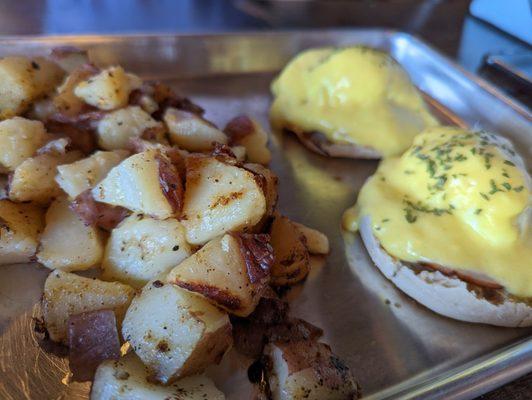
x=308 y=370
x=19 y=140
x=245 y=131
x=20 y=226
x=145 y=183
x=291 y=255
x=174 y=332
x=23 y=80
x=231 y=271
x=128 y=379
x=34 y=179
x=219 y=197
x=191 y=132
x=67 y=243
x=67 y=294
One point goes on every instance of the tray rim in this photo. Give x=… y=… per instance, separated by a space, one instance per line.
x=392 y=33
x=465 y=380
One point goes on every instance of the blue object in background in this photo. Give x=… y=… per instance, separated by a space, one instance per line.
x=511 y=16
x=121 y=16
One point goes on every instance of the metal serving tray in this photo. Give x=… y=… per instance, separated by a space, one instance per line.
x=397 y=348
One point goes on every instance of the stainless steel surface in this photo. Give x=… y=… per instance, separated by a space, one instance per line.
x=396 y=348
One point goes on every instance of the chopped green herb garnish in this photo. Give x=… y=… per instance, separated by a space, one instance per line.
x=494 y=188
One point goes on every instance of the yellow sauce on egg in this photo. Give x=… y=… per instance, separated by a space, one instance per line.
x=458 y=199
x=353 y=95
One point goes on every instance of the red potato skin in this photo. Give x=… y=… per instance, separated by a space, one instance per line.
x=96 y=213
x=257 y=253
x=238 y=128
x=331 y=371
x=82 y=139
x=218 y=295
x=165 y=97
x=171 y=184
x=222 y=152
x=93 y=338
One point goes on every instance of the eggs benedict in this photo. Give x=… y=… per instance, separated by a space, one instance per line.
x=352 y=102
x=448 y=222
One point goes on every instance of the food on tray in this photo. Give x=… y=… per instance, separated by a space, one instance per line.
x=128 y=378
x=174 y=219
x=20 y=227
x=295 y=364
x=449 y=223
x=307 y=369
x=174 y=332
x=66 y=242
x=349 y=102
x=67 y=294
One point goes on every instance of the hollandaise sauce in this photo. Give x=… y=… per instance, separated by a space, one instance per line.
x=458 y=199
x=352 y=95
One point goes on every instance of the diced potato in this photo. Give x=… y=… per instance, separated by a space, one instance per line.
x=317 y=242
x=269 y=183
x=4 y=183
x=67 y=243
x=135 y=184
x=142 y=249
x=292 y=259
x=118 y=127
x=219 y=198
x=84 y=174
x=191 y=132
x=41 y=109
x=20 y=226
x=65 y=101
x=16 y=85
x=23 y=80
x=33 y=180
x=69 y=58
x=127 y=379
x=107 y=90
x=67 y=294
x=308 y=370
x=148 y=104
x=55 y=147
x=230 y=271
x=19 y=140
x=174 y=332
x=239 y=152
x=247 y=132
x=47 y=75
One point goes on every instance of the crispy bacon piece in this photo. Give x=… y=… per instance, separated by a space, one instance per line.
x=95 y=213
x=93 y=338
x=171 y=183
